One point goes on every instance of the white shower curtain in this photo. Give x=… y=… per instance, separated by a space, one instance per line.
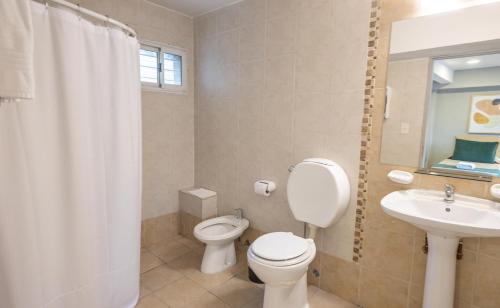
x=70 y=167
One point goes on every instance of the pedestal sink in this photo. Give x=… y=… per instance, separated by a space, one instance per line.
x=445 y=223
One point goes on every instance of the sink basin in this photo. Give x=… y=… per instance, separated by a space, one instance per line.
x=445 y=224
x=426 y=209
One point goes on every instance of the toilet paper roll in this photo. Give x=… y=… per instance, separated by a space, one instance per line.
x=264 y=188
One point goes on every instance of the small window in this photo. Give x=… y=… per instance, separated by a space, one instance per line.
x=162 y=68
x=172 y=72
x=149 y=66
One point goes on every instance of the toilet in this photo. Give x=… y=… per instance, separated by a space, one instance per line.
x=219 y=234
x=318 y=194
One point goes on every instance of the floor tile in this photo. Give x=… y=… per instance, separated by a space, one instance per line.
x=144 y=291
x=194 y=245
x=151 y=302
x=158 y=277
x=180 y=293
x=255 y=303
x=187 y=263
x=237 y=292
x=311 y=291
x=149 y=261
x=207 y=301
x=210 y=281
x=170 y=250
x=324 y=299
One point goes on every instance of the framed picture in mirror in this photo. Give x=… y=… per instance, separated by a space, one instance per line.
x=484 y=115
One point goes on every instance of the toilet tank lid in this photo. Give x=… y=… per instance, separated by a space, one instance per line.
x=201 y=193
x=322 y=161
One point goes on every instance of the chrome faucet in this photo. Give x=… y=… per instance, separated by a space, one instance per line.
x=238 y=213
x=449 y=193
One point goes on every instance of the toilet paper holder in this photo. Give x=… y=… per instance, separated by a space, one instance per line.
x=264 y=187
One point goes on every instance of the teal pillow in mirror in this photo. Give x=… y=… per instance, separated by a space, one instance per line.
x=475 y=151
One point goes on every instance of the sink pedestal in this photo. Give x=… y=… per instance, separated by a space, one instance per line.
x=439 y=288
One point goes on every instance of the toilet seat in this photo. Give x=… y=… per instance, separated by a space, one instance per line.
x=281 y=249
x=279 y=246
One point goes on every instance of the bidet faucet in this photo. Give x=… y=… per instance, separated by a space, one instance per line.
x=449 y=193
x=238 y=213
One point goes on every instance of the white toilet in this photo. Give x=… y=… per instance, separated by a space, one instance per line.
x=318 y=194
x=219 y=234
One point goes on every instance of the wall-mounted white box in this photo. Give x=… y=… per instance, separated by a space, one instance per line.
x=199 y=202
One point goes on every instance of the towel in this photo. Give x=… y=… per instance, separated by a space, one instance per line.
x=466 y=165
x=16 y=51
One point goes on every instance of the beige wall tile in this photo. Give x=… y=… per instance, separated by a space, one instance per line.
x=127 y=11
x=388 y=252
x=252 y=41
x=313 y=111
x=379 y=290
x=340 y=277
x=316 y=12
x=313 y=72
x=490 y=246
x=228 y=46
x=486 y=293
x=416 y=296
x=419 y=261
x=102 y=7
x=228 y=18
x=252 y=11
x=250 y=235
x=465 y=277
x=314 y=269
x=187 y=222
x=206 y=26
x=278 y=8
x=280 y=36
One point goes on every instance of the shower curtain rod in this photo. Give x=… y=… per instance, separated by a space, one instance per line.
x=79 y=9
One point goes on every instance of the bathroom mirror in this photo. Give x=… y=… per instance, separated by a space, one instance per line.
x=442 y=104
x=442 y=115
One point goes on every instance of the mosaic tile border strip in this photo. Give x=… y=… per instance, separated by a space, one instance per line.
x=366 y=128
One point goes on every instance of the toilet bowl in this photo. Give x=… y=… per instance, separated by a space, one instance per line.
x=219 y=234
x=280 y=260
x=318 y=194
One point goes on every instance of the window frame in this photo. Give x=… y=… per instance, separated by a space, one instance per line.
x=161 y=86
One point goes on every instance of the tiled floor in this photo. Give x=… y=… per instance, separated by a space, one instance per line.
x=170 y=278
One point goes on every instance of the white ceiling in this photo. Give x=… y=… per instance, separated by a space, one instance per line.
x=458 y=64
x=193 y=7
